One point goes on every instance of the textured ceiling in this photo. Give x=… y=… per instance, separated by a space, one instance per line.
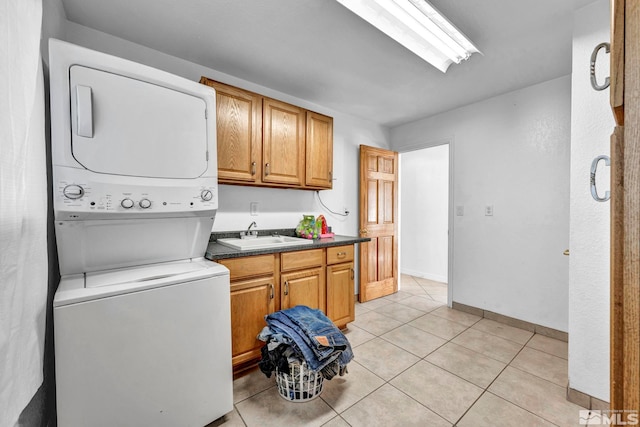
x=319 y=51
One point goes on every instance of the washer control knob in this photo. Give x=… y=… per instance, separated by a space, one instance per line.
x=206 y=195
x=145 y=203
x=73 y=191
x=127 y=203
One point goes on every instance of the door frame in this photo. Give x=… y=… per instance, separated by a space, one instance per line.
x=420 y=146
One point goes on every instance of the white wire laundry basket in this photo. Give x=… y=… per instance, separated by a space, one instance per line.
x=301 y=384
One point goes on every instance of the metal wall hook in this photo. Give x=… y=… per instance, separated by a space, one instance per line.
x=592 y=68
x=592 y=179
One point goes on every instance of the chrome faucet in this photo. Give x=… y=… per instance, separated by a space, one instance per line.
x=249 y=234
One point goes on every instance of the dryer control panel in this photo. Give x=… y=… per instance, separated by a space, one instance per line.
x=82 y=200
x=79 y=195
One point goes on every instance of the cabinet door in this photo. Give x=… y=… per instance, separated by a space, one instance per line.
x=319 y=151
x=304 y=287
x=340 y=294
x=239 y=133
x=283 y=143
x=251 y=300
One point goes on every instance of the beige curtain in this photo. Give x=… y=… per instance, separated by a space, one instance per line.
x=23 y=207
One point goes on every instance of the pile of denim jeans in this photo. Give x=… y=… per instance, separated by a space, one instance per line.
x=302 y=334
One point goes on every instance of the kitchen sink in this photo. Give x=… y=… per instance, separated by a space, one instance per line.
x=264 y=242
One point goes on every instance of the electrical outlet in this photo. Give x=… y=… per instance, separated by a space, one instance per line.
x=459 y=210
x=253 y=208
x=488 y=210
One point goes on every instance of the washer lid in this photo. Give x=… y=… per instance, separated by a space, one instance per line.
x=91 y=286
x=164 y=273
x=124 y=126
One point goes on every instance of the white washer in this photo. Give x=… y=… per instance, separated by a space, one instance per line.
x=142 y=322
x=144 y=346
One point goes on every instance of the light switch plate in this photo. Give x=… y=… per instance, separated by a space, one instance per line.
x=253 y=208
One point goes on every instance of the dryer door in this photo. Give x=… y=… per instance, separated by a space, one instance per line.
x=124 y=126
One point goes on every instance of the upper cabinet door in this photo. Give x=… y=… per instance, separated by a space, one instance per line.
x=125 y=126
x=319 y=151
x=283 y=145
x=239 y=124
x=616 y=91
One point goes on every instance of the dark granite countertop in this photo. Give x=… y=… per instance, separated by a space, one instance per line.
x=217 y=251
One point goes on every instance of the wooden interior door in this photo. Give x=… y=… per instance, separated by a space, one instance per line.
x=625 y=208
x=379 y=221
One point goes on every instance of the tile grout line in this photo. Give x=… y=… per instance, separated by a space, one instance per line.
x=486 y=390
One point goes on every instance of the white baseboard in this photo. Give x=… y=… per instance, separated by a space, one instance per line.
x=429 y=276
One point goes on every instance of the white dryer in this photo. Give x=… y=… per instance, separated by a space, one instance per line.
x=141 y=320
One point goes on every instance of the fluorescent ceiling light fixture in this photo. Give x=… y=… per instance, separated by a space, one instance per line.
x=418 y=26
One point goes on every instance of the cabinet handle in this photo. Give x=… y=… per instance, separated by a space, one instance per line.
x=364 y=231
x=592 y=179
x=592 y=68
x=271 y=293
x=253 y=168
x=341 y=254
x=353 y=274
x=286 y=287
x=266 y=169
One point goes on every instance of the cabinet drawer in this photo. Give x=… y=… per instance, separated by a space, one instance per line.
x=300 y=259
x=258 y=265
x=338 y=254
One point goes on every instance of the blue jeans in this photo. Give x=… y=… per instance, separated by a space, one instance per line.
x=317 y=338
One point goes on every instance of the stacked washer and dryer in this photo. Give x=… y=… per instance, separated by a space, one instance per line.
x=141 y=319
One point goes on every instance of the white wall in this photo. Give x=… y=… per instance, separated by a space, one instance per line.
x=591 y=126
x=424 y=212
x=512 y=152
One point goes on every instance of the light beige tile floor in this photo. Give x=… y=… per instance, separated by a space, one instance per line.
x=420 y=363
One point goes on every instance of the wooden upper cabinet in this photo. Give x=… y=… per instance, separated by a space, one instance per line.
x=616 y=90
x=239 y=133
x=283 y=143
x=269 y=143
x=319 y=151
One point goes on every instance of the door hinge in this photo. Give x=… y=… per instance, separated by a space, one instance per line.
x=205 y=114
x=207 y=155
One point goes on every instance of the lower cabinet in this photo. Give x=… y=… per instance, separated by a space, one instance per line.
x=340 y=294
x=340 y=285
x=302 y=279
x=254 y=294
x=305 y=287
x=251 y=300
x=261 y=284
